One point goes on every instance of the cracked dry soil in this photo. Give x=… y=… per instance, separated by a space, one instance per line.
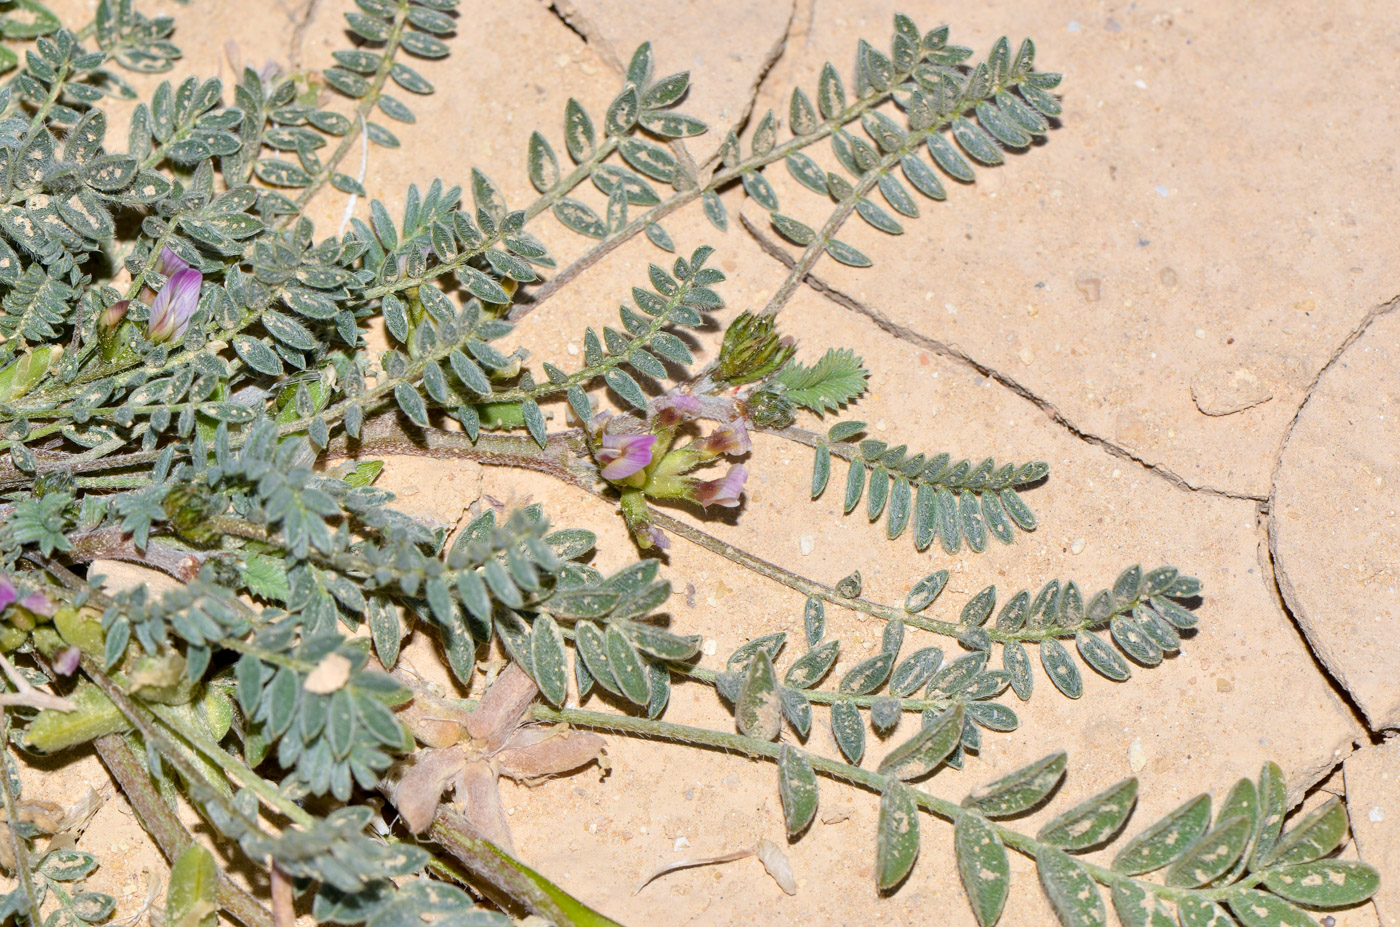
x=1061 y=308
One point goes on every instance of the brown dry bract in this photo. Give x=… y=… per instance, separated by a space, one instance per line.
x=495 y=744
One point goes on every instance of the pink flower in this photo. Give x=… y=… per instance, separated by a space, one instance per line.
x=169 y=263
x=675 y=407
x=624 y=455
x=38 y=603
x=731 y=438
x=659 y=539
x=7 y=592
x=65 y=662
x=175 y=306
x=724 y=491
x=112 y=316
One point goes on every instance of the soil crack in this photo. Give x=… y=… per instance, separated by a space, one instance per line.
x=1282 y=582
x=909 y=335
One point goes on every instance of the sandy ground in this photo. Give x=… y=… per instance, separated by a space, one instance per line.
x=1182 y=301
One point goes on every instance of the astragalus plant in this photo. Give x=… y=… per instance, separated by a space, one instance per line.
x=186 y=383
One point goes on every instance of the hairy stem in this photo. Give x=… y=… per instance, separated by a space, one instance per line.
x=854 y=775
x=167 y=830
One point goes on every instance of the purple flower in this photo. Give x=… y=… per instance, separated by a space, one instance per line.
x=175 y=306
x=724 y=491
x=675 y=407
x=65 y=662
x=38 y=603
x=7 y=592
x=624 y=455
x=731 y=438
x=169 y=263
x=659 y=539
x=112 y=316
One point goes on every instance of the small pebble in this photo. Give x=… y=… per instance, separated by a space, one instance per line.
x=709 y=647
x=1200 y=333
x=1137 y=756
x=571 y=348
x=1077 y=546
x=807 y=543
x=1090 y=286
x=680 y=844
x=1026 y=356
x=1073 y=26
x=1376 y=815
x=1161 y=190
x=1141 y=85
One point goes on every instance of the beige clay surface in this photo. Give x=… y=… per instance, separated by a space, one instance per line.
x=1145 y=301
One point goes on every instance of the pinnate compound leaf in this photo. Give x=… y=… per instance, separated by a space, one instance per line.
x=832 y=382
x=1093 y=821
x=1167 y=840
x=983 y=866
x=797 y=787
x=897 y=835
x=1020 y=790
x=1071 y=890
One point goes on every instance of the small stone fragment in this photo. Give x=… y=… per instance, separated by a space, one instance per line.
x=1077 y=546
x=1091 y=286
x=1137 y=756
x=1224 y=389
x=807 y=543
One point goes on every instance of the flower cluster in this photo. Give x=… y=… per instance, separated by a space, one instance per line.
x=649 y=465
x=173 y=307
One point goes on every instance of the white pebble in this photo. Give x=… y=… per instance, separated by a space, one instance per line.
x=1200 y=333
x=1376 y=815
x=709 y=647
x=571 y=348
x=1137 y=756
x=1077 y=546
x=680 y=844
x=807 y=543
